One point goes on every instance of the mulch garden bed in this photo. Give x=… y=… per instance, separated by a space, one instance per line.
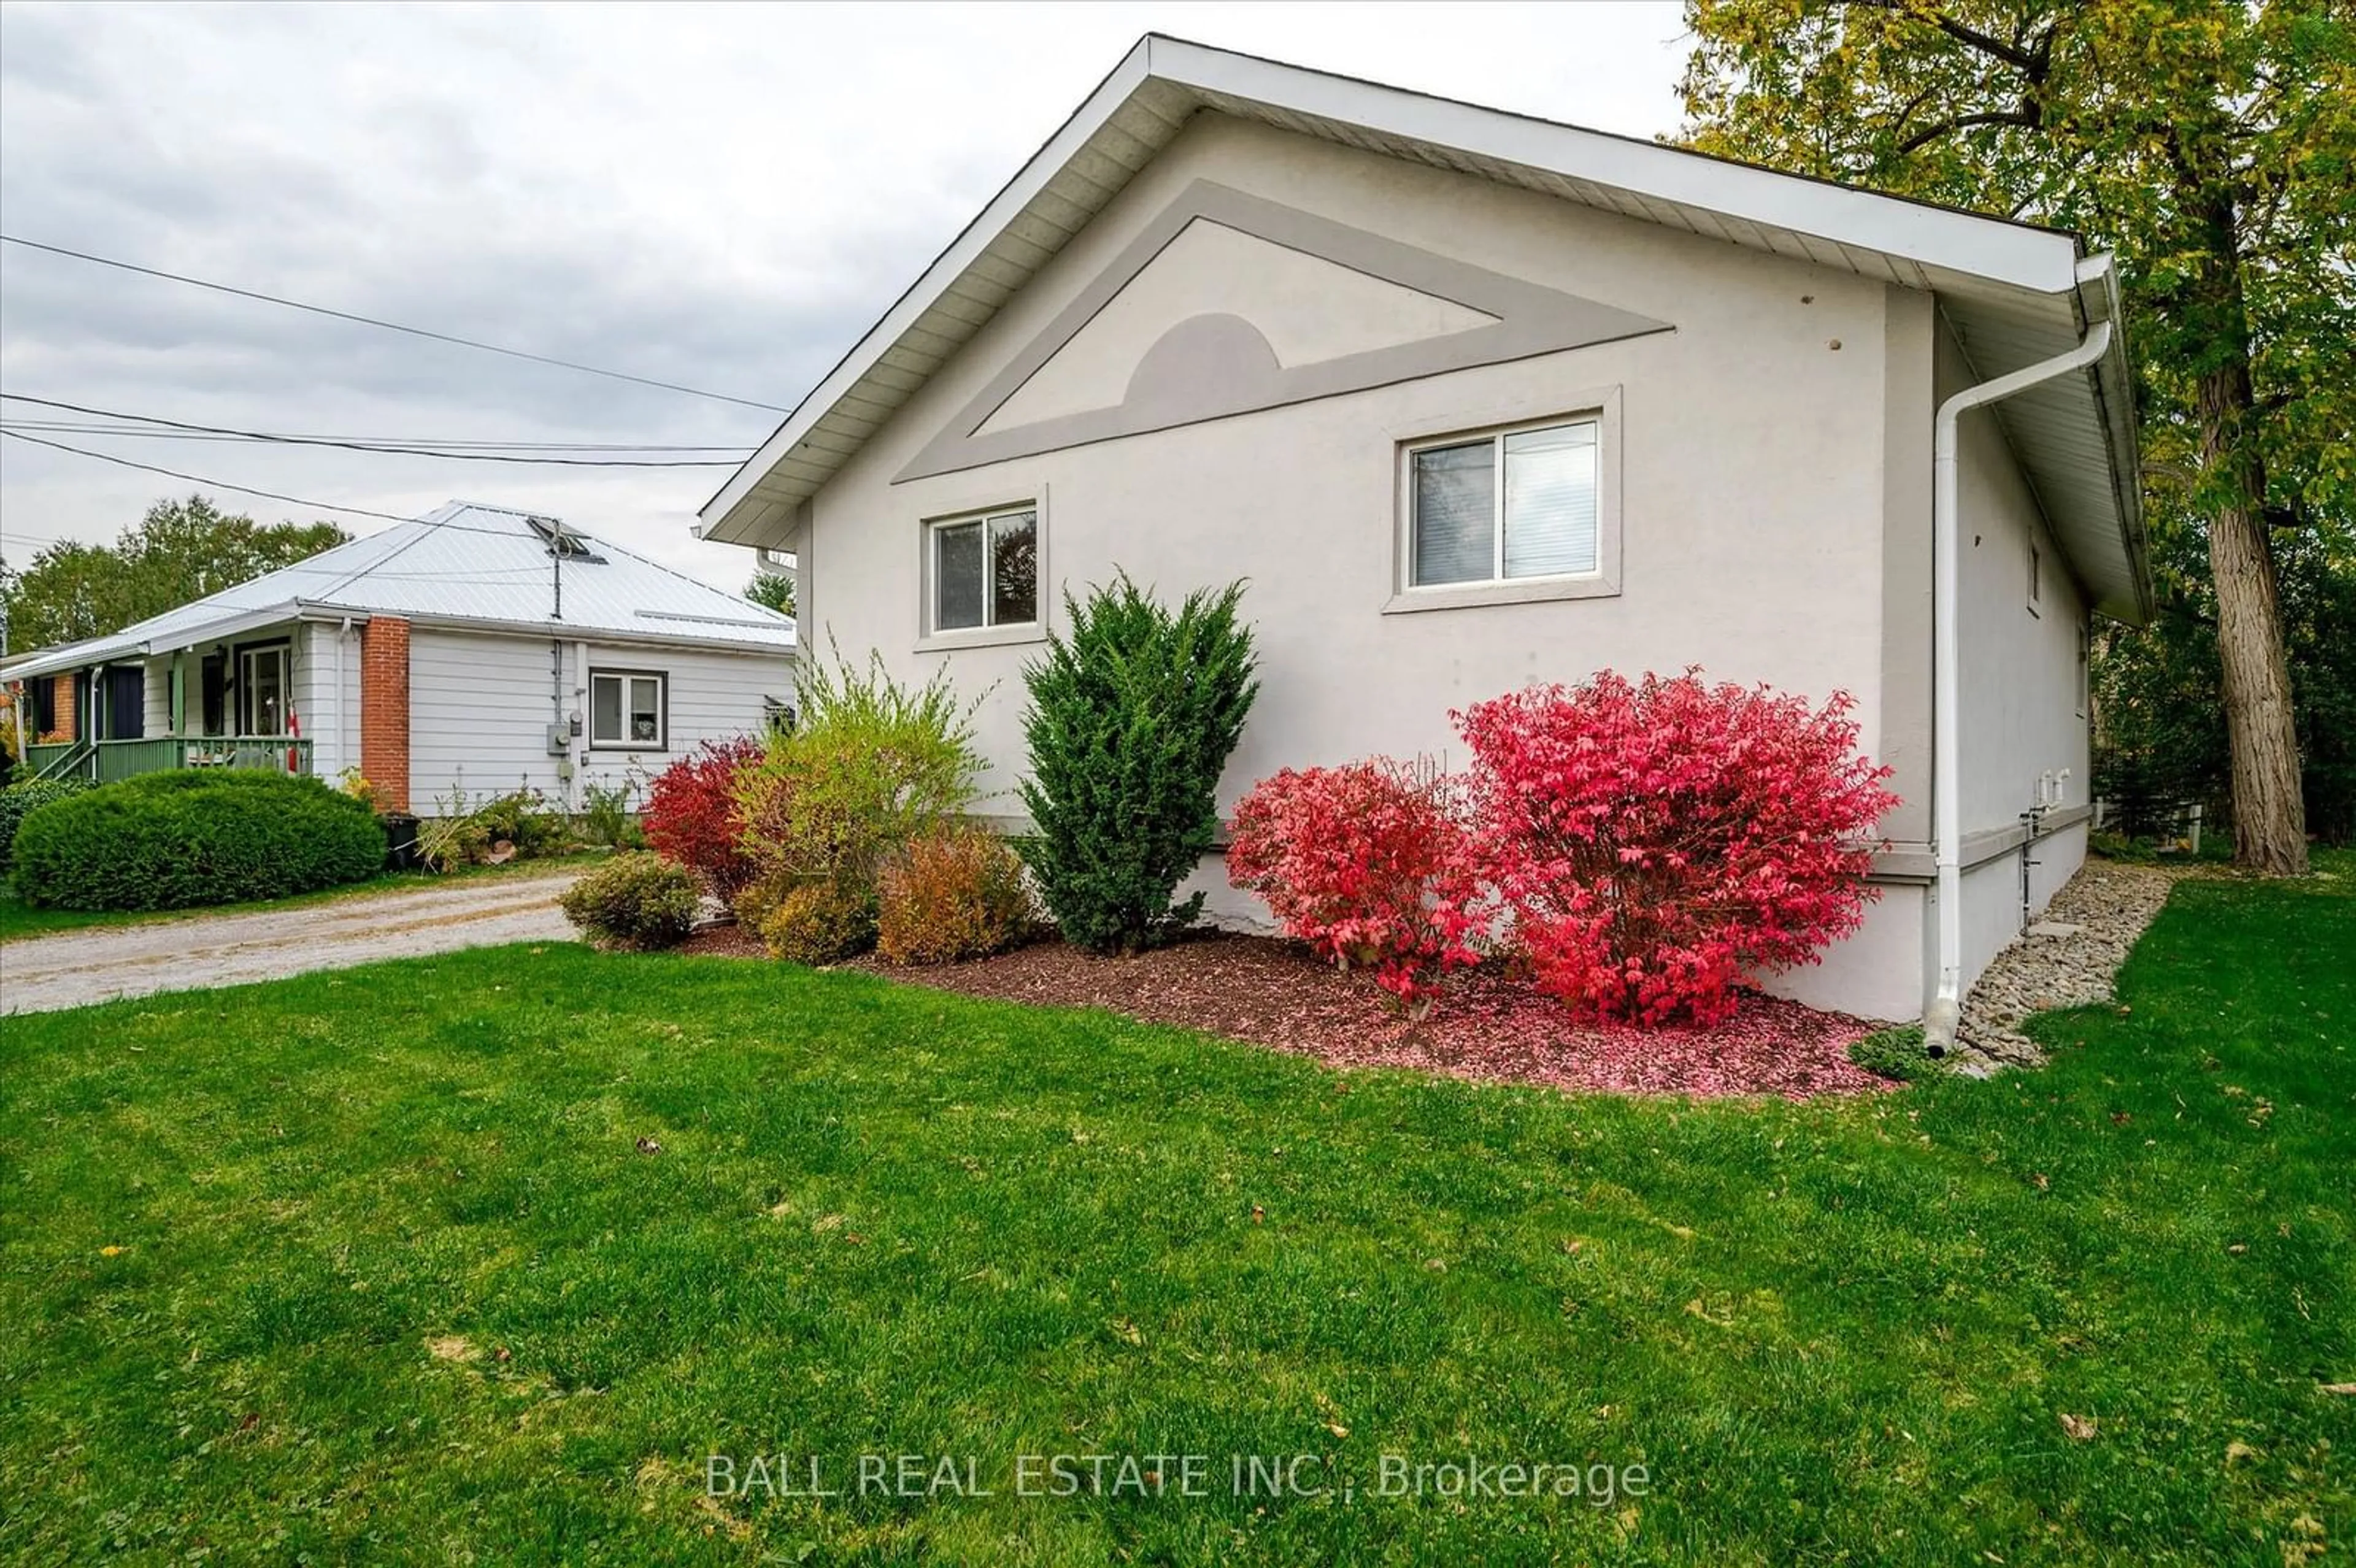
x=1487 y=1027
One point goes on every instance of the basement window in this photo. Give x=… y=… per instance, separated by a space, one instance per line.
x=629 y=709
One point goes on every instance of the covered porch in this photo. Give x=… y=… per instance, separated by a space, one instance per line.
x=229 y=703
x=108 y=761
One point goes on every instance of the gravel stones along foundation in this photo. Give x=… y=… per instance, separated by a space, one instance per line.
x=2068 y=957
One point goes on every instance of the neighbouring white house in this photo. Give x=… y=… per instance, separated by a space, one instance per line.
x=474 y=651
x=1475 y=400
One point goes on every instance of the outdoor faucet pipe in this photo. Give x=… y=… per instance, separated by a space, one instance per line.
x=1945 y=1011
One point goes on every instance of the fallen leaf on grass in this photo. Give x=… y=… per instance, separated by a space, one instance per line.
x=649 y=1145
x=2236 y=1452
x=2081 y=1428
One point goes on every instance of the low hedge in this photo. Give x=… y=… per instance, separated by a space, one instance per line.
x=634 y=901
x=22 y=797
x=175 y=840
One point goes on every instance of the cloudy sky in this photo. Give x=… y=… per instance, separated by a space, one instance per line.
x=722 y=197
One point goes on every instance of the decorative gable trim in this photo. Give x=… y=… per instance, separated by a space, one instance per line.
x=1214 y=366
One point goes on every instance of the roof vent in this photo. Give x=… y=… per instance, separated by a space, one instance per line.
x=563 y=542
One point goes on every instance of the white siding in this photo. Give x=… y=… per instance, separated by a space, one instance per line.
x=479 y=708
x=157 y=719
x=329 y=706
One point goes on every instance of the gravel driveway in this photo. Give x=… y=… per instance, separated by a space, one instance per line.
x=192 y=952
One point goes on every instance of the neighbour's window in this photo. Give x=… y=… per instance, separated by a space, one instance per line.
x=1518 y=504
x=261 y=691
x=627 y=709
x=985 y=571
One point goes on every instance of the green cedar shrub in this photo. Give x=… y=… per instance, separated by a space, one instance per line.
x=1132 y=718
x=22 y=797
x=637 y=900
x=181 y=839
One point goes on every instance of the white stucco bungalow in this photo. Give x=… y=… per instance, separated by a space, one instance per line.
x=1476 y=399
x=474 y=651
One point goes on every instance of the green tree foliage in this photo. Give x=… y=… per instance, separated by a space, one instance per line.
x=2211 y=146
x=1132 y=719
x=2161 y=740
x=773 y=589
x=180 y=551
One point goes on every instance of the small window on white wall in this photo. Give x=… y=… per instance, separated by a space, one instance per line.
x=629 y=709
x=984 y=570
x=1515 y=506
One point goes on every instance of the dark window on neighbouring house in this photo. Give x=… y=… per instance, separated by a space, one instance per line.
x=41 y=715
x=213 y=702
x=126 y=703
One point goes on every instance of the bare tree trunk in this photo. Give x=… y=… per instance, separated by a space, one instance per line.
x=2269 y=813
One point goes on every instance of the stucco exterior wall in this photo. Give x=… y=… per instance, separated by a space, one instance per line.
x=480 y=706
x=1753 y=494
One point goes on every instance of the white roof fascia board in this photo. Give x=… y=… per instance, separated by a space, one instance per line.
x=567 y=632
x=1992 y=247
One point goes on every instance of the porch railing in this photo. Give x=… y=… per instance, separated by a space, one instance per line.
x=105 y=761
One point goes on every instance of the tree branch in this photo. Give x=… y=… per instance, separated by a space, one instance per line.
x=2027 y=114
x=2031 y=62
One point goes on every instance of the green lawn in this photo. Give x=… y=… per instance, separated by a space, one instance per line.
x=368 y=1265
x=20 y=919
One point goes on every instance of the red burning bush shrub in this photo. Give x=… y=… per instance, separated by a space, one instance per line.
x=691 y=816
x=1367 y=864
x=1657 y=843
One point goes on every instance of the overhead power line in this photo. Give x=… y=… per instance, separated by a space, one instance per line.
x=94 y=427
x=387 y=326
x=283 y=440
x=208 y=484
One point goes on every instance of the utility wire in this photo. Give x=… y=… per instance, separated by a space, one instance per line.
x=276 y=439
x=92 y=427
x=211 y=483
x=387 y=326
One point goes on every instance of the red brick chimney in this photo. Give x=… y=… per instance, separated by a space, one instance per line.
x=384 y=710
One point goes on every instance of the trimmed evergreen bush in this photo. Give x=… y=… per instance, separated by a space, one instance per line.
x=1132 y=719
x=634 y=900
x=24 y=794
x=208 y=836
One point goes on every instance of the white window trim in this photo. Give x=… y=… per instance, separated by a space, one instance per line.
x=661 y=743
x=998 y=503
x=248 y=657
x=1602 y=407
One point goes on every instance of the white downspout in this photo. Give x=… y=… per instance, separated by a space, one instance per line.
x=1945 y=1011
